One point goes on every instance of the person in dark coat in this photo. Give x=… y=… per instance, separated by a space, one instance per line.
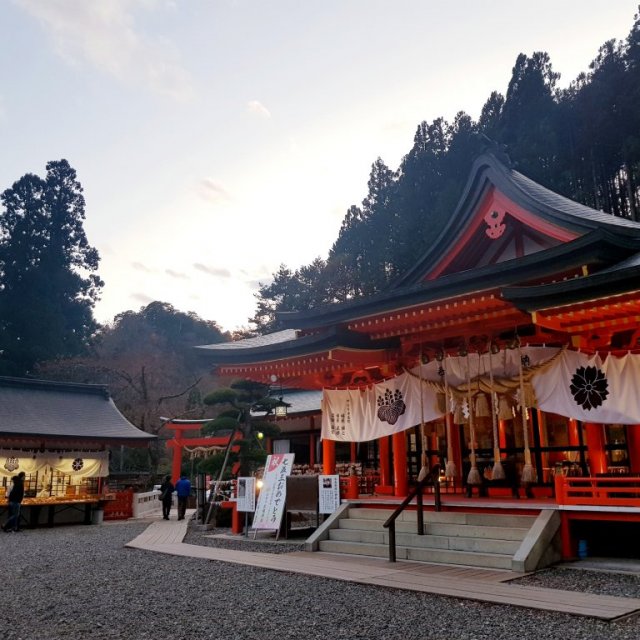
x=15 y=497
x=166 y=495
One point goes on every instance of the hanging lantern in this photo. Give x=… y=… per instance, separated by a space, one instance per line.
x=280 y=408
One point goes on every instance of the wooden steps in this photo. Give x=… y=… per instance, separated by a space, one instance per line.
x=459 y=538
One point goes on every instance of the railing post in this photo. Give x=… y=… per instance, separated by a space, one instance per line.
x=392 y=542
x=437 y=500
x=420 y=512
x=559 y=486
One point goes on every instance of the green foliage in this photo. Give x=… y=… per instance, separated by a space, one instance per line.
x=224 y=395
x=48 y=280
x=213 y=464
x=221 y=423
x=244 y=396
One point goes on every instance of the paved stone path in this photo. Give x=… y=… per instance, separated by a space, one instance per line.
x=164 y=536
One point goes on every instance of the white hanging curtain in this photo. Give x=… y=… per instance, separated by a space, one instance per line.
x=591 y=389
x=381 y=410
x=78 y=464
x=568 y=383
x=82 y=464
x=13 y=461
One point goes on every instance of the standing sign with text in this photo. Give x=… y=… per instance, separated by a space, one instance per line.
x=329 y=493
x=246 y=499
x=274 y=492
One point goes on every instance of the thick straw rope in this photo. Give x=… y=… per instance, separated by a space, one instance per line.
x=528 y=474
x=424 y=470
x=498 y=470
x=474 y=476
x=450 y=471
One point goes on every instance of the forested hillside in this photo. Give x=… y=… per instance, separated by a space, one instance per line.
x=582 y=141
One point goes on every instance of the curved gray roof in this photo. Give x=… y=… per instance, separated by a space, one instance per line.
x=548 y=205
x=63 y=411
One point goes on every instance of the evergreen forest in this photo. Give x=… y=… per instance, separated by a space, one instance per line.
x=582 y=141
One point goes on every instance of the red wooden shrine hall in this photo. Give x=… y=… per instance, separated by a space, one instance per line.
x=518 y=269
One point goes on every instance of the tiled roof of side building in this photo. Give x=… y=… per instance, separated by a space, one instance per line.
x=251 y=343
x=39 y=408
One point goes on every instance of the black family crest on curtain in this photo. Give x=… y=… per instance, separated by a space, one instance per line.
x=589 y=387
x=391 y=406
x=77 y=464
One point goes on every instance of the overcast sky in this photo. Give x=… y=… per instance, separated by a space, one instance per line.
x=217 y=139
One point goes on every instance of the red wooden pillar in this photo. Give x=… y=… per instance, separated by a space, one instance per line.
x=502 y=437
x=574 y=437
x=328 y=457
x=354 y=452
x=237 y=520
x=567 y=546
x=400 y=471
x=595 y=448
x=176 y=461
x=633 y=447
x=385 y=471
x=434 y=446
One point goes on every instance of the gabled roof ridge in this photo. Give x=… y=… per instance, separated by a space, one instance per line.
x=489 y=170
x=600 y=241
x=54 y=385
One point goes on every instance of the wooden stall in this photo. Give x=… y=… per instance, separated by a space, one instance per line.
x=59 y=435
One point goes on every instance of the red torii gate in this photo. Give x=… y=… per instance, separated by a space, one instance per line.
x=180 y=427
x=222 y=442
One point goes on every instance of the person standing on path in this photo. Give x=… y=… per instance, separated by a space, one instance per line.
x=183 y=490
x=166 y=495
x=16 y=495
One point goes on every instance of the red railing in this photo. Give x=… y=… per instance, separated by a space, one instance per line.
x=119 y=508
x=596 y=491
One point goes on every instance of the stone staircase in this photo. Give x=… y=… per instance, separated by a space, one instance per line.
x=475 y=539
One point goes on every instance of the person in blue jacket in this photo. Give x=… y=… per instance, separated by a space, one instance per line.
x=183 y=491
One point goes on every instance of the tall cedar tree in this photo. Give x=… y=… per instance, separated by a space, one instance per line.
x=48 y=284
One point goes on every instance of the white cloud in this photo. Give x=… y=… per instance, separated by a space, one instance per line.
x=138 y=266
x=213 y=191
x=176 y=274
x=104 y=35
x=142 y=297
x=212 y=271
x=256 y=108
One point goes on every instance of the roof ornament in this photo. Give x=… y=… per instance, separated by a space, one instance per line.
x=496 y=149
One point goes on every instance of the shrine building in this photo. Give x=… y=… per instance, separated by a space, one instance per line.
x=509 y=356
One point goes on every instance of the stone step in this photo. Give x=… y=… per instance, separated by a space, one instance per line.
x=440 y=529
x=457 y=542
x=448 y=517
x=440 y=556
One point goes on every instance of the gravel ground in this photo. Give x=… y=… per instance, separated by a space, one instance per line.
x=74 y=583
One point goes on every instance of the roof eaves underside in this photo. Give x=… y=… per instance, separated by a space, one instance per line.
x=602 y=285
x=552 y=207
x=306 y=346
x=598 y=247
